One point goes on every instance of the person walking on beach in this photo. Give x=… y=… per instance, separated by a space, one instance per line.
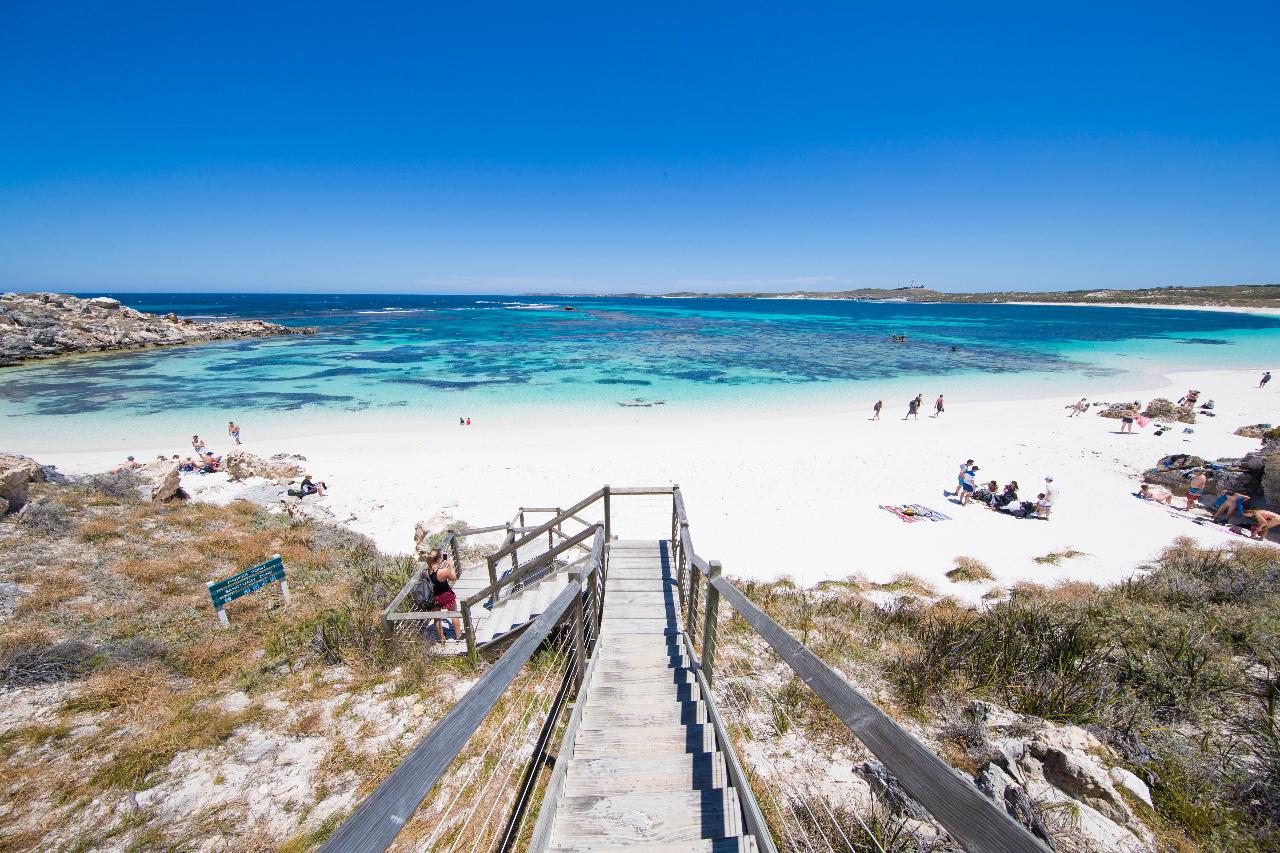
x=876 y=408
x=233 y=430
x=1266 y=377
x=1195 y=489
x=913 y=408
x=937 y=406
x=1126 y=420
x=198 y=445
x=1079 y=408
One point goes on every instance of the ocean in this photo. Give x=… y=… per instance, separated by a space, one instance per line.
x=460 y=356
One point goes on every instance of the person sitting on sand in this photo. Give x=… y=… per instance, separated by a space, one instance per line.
x=439 y=572
x=187 y=465
x=1208 y=407
x=210 y=462
x=1159 y=494
x=129 y=464
x=1264 y=520
x=310 y=487
x=1228 y=504
x=1007 y=496
x=1195 y=489
x=1079 y=408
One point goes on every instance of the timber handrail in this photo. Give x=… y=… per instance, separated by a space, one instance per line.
x=526 y=569
x=972 y=819
x=535 y=532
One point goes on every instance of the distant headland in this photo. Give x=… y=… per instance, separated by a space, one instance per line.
x=48 y=325
x=1227 y=296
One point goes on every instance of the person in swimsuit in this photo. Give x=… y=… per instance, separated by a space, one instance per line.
x=1126 y=420
x=876 y=408
x=1159 y=494
x=1264 y=520
x=913 y=409
x=233 y=430
x=1266 y=377
x=1195 y=489
x=440 y=572
x=198 y=445
x=937 y=406
x=1229 y=504
x=1079 y=408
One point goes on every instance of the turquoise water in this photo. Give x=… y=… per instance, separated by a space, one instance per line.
x=446 y=357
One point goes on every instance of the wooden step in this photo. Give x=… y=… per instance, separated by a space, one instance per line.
x=745 y=844
x=657 y=817
x=624 y=775
x=639 y=743
x=633 y=715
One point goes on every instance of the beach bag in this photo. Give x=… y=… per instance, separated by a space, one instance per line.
x=424 y=594
x=1143 y=420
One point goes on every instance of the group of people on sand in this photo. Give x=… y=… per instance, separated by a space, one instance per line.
x=913 y=408
x=968 y=491
x=1226 y=506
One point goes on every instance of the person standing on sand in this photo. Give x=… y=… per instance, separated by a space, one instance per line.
x=967 y=484
x=233 y=430
x=1195 y=489
x=1050 y=495
x=913 y=409
x=1266 y=377
x=1126 y=420
x=198 y=445
x=937 y=406
x=876 y=408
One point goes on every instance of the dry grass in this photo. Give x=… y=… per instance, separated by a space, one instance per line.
x=145 y=676
x=1053 y=558
x=969 y=570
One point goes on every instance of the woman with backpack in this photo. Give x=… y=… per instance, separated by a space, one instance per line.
x=433 y=592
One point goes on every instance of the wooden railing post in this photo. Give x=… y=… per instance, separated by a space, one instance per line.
x=493 y=574
x=453 y=549
x=690 y=624
x=608 y=521
x=470 y=631
x=709 y=625
x=560 y=524
x=515 y=553
x=579 y=641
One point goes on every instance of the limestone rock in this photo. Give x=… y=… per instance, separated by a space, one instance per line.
x=241 y=465
x=16 y=474
x=1271 y=480
x=46 y=325
x=1167 y=410
x=1253 y=430
x=160 y=480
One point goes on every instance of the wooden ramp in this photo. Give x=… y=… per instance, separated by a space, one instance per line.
x=644 y=770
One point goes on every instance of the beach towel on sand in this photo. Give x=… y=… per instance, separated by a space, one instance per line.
x=931 y=514
x=905 y=513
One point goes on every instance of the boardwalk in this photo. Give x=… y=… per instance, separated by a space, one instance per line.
x=644 y=769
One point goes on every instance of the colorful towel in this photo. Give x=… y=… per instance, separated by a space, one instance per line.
x=931 y=514
x=900 y=513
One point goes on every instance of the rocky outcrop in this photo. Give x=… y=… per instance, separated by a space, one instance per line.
x=1256 y=474
x=1253 y=430
x=241 y=465
x=159 y=481
x=1116 y=410
x=46 y=325
x=1166 y=410
x=1034 y=768
x=17 y=473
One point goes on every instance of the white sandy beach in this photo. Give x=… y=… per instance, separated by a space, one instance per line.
x=786 y=492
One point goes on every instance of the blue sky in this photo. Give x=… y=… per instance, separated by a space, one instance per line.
x=652 y=147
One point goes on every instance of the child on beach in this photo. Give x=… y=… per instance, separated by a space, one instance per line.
x=233 y=430
x=1195 y=489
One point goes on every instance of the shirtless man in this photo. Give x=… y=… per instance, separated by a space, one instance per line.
x=1232 y=503
x=1195 y=489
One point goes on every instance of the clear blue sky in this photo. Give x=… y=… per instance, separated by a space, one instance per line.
x=468 y=147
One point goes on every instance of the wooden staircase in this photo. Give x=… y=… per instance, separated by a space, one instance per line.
x=644 y=770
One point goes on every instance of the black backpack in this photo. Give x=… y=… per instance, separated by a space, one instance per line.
x=424 y=594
